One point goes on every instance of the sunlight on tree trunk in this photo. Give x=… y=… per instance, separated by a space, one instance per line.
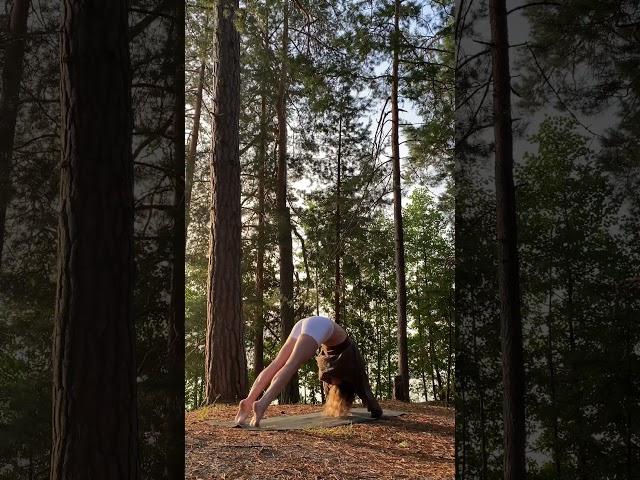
x=226 y=368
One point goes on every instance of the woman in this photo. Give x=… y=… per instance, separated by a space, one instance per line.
x=340 y=364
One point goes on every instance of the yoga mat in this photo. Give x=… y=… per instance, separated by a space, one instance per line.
x=309 y=420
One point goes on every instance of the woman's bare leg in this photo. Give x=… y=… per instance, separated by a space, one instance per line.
x=304 y=349
x=263 y=380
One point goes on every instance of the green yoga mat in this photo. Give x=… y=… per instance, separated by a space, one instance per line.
x=310 y=420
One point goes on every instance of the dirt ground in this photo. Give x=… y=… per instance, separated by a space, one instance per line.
x=418 y=445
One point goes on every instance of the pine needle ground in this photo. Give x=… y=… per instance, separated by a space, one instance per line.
x=418 y=445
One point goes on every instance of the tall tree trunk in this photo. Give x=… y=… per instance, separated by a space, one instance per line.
x=195 y=392
x=423 y=373
x=388 y=324
x=175 y=339
x=193 y=147
x=291 y=393
x=94 y=432
x=379 y=364
x=461 y=440
x=508 y=271
x=317 y=292
x=201 y=388
x=226 y=368
x=557 y=459
x=480 y=386
x=401 y=389
x=338 y=279
x=449 y=355
x=629 y=403
x=580 y=433
x=389 y=379
x=432 y=370
x=258 y=339
x=9 y=99
x=435 y=369
x=423 y=355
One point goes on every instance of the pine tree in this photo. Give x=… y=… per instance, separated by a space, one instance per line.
x=290 y=394
x=93 y=332
x=226 y=370
x=9 y=101
x=508 y=272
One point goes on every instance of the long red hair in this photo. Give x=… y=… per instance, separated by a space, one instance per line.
x=339 y=400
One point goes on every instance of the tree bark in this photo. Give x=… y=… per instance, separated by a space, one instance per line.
x=629 y=404
x=557 y=459
x=193 y=147
x=449 y=362
x=580 y=433
x=226 y=368
x=94 y=416
x=508 y=270
x=338 y=279
x=379 y=364
x=461 y=439
x=258 y=341
x=9 y=100
x=436 y=364
x=291 y=393
x=423 y=355
x=317 y=291
x=480 y=387
x=433 y=367
x=201 y=392
x=432 y=363
x=402 y=392
x=389 y=381
x=388 y=334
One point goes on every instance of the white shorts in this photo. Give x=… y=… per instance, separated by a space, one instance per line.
x=319 y=328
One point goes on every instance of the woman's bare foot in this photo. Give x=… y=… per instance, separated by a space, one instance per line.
x=258 y=412
x=243 y=411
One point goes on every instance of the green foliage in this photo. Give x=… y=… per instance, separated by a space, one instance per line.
x=430 y=260
x=575 y=259
x=573 y=296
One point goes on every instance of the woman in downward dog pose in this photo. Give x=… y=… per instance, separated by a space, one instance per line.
x=341 y=369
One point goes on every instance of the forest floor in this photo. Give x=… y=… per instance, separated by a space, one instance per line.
x=418 y=445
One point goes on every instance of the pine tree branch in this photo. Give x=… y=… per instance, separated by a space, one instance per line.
x=533 y=4
x=139 y=27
